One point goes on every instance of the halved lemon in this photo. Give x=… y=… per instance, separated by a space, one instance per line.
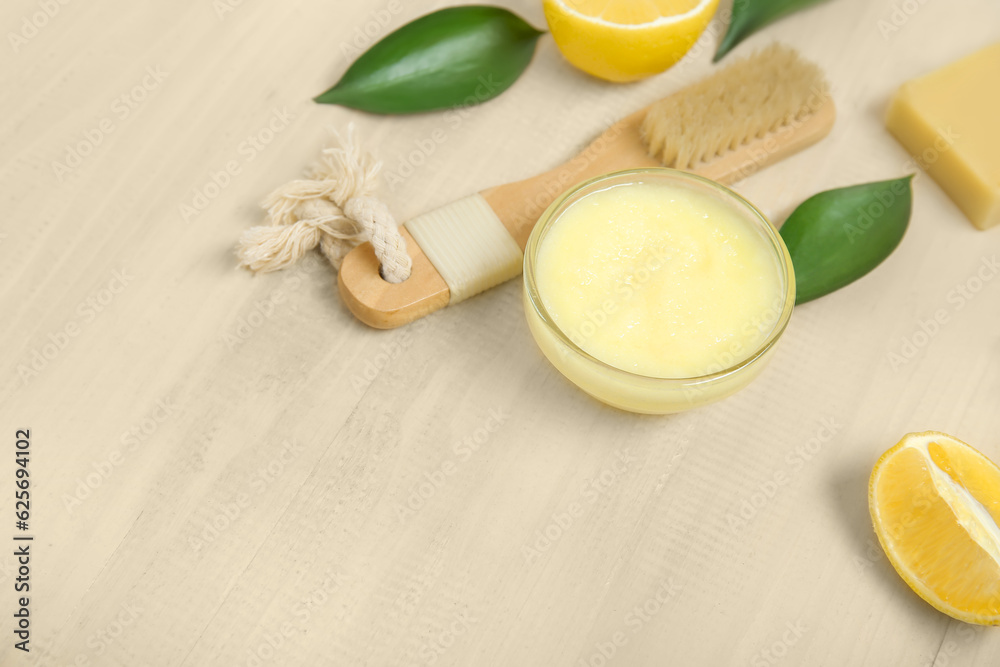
x=935 y=504
x=625 y=40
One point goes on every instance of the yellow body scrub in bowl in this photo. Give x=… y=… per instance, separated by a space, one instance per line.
x=656 y=290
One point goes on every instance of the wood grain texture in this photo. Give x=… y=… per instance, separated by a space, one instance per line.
x=232 y=470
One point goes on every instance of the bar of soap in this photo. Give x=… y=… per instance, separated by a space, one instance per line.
x=949 y=120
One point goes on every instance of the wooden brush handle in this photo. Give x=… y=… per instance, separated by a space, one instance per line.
x=518 y=206
x=385 y=305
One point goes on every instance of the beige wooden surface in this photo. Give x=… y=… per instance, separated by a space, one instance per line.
x=230 y=470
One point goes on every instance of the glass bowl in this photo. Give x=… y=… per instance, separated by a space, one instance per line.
x=642 y=393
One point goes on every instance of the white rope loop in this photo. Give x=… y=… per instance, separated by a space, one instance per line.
x=334 y=210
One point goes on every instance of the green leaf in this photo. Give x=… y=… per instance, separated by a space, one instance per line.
x=837 y=236
x=453 y=57
x=749 y=16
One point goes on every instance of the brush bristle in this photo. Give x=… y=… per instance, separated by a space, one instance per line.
x=742 y=102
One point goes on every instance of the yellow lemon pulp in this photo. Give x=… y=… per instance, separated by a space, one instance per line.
x=935 y=505
x=625 y=40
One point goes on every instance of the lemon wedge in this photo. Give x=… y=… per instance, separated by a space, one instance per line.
x=935 y=505
x=626 y=40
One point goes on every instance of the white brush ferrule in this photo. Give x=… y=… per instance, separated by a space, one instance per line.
x=468 y=245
